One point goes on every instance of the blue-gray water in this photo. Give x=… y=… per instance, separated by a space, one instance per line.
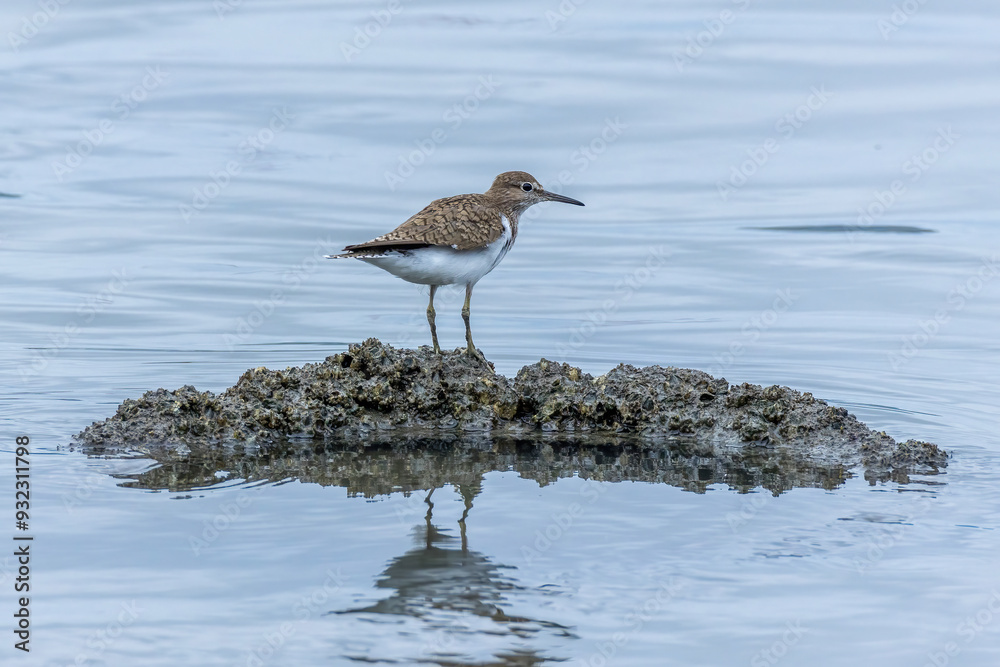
x=776 y=192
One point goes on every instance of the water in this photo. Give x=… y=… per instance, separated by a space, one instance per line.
x=805 y=197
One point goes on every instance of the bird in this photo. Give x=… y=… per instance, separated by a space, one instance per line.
x=456 y=240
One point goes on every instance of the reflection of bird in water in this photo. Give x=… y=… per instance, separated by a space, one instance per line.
x=436 y=577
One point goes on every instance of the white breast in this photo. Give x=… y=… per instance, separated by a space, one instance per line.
x=442 y=265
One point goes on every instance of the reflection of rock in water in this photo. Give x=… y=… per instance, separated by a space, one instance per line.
x=439 y=575
x=383 y=466
x=374 y=388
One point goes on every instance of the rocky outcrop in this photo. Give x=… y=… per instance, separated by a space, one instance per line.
x=376 y=391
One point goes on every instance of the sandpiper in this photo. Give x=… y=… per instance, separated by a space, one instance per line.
x=456 y=240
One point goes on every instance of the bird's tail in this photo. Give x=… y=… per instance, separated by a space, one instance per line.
x=359 y=254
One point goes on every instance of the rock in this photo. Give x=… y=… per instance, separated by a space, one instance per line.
x=376 y=389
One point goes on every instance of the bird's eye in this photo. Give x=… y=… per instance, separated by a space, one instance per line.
x=526 y=186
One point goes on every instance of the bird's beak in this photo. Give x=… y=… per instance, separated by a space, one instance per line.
x=551 y=196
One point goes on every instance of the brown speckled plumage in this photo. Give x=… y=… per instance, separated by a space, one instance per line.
x=463 y=222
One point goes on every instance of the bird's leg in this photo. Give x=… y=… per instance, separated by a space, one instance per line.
x=430 y=320
x=465 y=316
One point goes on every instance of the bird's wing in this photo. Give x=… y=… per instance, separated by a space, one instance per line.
x=462 y=222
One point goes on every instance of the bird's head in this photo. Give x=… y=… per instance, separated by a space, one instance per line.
x=518 y=190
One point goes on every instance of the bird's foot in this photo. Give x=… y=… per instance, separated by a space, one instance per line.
x=476 y=354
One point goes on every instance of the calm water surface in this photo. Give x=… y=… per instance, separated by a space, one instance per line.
x=776 y=193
